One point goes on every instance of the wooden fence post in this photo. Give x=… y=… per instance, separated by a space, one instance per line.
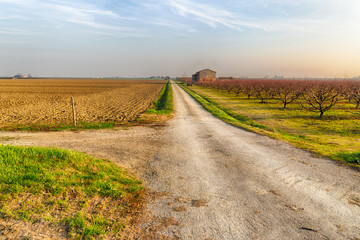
x=73 y=108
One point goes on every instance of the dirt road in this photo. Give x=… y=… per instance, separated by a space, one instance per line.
x=220 y=182
x=248 y=186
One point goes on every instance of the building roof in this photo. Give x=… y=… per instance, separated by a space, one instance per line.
x=206 y=70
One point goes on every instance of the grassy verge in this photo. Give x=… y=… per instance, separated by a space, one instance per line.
x=61 y=127
x=162 y=108
x=164 y=103
x=335 y=136
x=89 y=197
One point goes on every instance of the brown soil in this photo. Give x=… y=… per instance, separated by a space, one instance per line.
x=48 y=101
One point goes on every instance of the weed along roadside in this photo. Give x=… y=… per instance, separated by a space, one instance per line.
x=164 y=103
x=62 y=127
x=162 y=108
x=330 y=136
x=73 y=193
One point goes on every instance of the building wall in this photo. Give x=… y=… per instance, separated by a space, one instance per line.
x=204 y=75
x=207 y=75
x=195 y=77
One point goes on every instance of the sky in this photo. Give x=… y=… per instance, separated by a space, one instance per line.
x=141 y=38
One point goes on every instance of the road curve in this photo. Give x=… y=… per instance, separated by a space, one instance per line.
x=227 y=183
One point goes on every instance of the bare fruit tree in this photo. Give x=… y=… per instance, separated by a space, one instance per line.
x=319 y=96
x=287 y=91
x=248 y=89
x=263 y=91
x=355 y=93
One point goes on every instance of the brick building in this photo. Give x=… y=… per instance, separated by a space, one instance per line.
x=204 y=75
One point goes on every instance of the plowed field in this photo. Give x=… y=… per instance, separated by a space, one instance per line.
x=48 y=101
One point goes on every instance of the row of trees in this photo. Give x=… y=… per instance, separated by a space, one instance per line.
x=313 y=95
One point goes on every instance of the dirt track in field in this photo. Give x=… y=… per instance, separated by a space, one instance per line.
x=220 y=182
x=48 y=101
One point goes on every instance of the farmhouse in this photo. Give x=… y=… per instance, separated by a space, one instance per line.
x=204 y=75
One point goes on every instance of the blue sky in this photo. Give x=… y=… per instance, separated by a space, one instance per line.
x=90 y=38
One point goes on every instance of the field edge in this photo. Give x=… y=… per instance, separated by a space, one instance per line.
x=158 y=111
x=161 y=110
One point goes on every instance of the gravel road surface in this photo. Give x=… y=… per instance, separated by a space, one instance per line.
x=215 y=181
x=226 y=183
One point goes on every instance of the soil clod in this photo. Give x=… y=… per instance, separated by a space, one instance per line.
x=200 y=203
x=180 y=209
x=354 y=200
x=176 y=234
x=274 y=192
x=308 y=229
x=294 y=208
x=182 y=200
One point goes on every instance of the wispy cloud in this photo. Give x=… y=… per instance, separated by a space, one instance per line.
x=19 y=2
x=303 y=16
x=205 y=13
x=87 y=17
x=83 y=12
x=144 y=17
x=13 y=31
x=58 y=13
x=171 y=25
x=216 y=16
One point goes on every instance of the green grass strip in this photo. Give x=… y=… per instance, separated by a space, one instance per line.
x=91 y=197
x=61 y=127
x=164 y=103
x=349 y=157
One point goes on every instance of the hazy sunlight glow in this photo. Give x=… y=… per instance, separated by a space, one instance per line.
x=254 y=38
